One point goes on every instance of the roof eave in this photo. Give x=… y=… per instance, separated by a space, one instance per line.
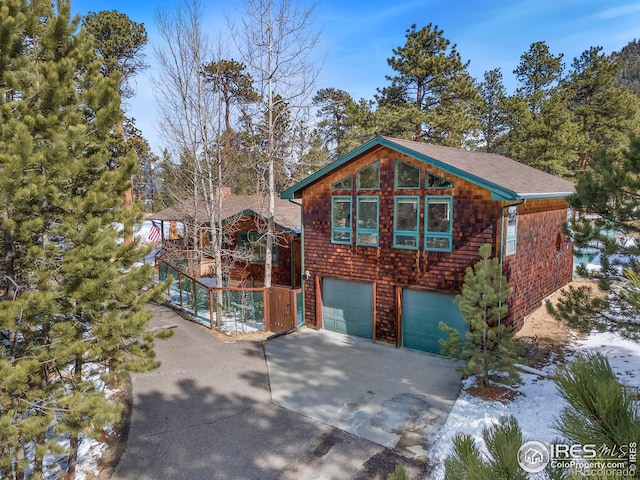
x=289 y=194
x=542 y=196
x=253 y=213
x=497 y=192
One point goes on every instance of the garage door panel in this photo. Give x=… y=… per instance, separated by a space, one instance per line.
x=422 y=312
x=347 y=307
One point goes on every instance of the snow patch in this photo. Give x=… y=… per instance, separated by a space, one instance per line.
x=539 y=405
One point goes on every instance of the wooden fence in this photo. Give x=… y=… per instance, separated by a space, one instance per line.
x=231 y=308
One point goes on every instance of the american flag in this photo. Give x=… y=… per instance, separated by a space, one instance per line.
x=154 y=233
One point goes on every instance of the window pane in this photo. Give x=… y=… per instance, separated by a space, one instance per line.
x=341 y=237
x=341 y=220
x=369 y=177
x=341 y=212
x=255 y=244
x=407 y=176
x=438 y=218
x=434 y=181
x=407 y=240
x=368 y=213
x=407 y=214
x=512 y=220
x=438 y=243
x=367 y=238
x=344 y=184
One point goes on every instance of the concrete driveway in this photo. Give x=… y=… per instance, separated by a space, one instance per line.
x=207 y=411
x=394 y=397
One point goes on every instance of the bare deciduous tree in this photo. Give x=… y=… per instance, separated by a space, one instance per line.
x=276 y=39
x=192 y=120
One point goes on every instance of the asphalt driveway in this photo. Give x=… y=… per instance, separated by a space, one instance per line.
x=207 y=411
x=394 y=397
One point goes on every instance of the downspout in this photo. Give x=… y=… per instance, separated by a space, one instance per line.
x=501 y=256
x=302 y=282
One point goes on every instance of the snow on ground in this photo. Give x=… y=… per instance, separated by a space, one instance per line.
x=539 y=405
x=232 y=319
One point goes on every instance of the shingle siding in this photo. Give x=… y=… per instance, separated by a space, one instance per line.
x=475 y=222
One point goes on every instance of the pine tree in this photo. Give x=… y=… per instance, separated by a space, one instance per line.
x=609 y=190
x=491 y=110
x=431 y=77
x=605 y=112
x=542 y=132
x=71 y=300
x=599 y=409
x=503 y=441
x=488 y=347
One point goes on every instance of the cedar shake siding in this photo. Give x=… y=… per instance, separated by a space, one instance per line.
x=252 y=273
x=543 y=261
x=541 y=264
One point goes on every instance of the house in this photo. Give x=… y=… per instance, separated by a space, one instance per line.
x=389 y=229
x=244 y=220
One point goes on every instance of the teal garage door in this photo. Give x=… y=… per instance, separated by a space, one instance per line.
x=422 y=312
x=347 y=307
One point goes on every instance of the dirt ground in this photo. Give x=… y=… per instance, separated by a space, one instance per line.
x=542 y=326
x=543 y=329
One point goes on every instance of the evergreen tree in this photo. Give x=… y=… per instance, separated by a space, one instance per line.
x=119 y=43
x=542 y=132
x=488 y=347
x=333 y=106
x=493 y=117
x=431 y=76
x=610 y=191
x=311 y=156
x=71 y=300
x=605 y=112
x=538 y=73
x=502 y=440
x=360 y=125
x=599 y=409
x=145 y=181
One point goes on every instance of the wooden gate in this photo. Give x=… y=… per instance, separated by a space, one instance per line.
x=282 y=309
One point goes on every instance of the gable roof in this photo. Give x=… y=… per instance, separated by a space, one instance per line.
x=287 y=214
x=505 y=178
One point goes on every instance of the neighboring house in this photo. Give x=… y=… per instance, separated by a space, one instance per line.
x=244 y=219
x=389 y=229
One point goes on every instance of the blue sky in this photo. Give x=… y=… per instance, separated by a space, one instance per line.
x=358 y=36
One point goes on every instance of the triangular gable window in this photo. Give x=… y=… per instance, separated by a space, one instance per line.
x=434 y=181
x=345 y=184
x=406 y=176
x=368 y=178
